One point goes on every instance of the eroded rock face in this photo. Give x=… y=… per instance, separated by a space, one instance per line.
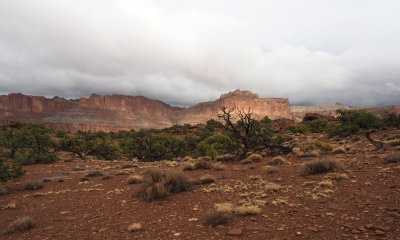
x=119 y=112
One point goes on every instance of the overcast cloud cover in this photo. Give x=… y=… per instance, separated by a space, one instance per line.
x=184 y=52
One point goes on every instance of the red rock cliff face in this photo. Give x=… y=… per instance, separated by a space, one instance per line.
x=274 y=108
x=118 y=112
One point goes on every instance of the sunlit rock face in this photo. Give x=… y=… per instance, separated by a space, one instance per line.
x=119 y=112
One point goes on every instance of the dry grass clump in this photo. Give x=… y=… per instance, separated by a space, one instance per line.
x=33 y=186
x=247 y=209
x=94 y=174
x=254 y=157
x=220 y=214
x=206 y=179
x=320 y=166
x=393 y=157
x=276 y=161
x=255 y=177
x=105 y=177
x=339 y=150
x=325 y=147
x=225 y=158
x=336 y=176
x=217 y=166
x=272 y=187
x=134 y=227
x=312 y=154
x=20 y=225
x=128 y=165
x=3 y=190
x=158 y=184
x=270 y=170
x=135 y=179
x=203 y=164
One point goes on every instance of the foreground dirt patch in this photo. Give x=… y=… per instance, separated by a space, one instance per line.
x=362 y=203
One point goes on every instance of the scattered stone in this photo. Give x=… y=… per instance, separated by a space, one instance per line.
x=379 y=233
x=370 y=226
x=177 y=234
x=193 y=219
x=235 y=232
x=384 y=228
x=394 y=214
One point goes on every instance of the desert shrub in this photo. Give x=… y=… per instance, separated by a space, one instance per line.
x=225 y=157
x=393 y=157
x=125 y=166
x=312 y=154
x=390 y=119
x=217 y=166
x=159 y=184
x=215 y=145
x=272 y=187
x=325 y=147
x=276 y=161
x=270 y=170
x=246 y=209
x=32 y=158
x=94 y=174
x=3 y=190
x=352 y=121
x=135 y=179
x=106 y=177
x=203 y=164
x=320 y=166
x=33 y=186
x=220 y=214
x=9 y=172
x=107 y=149
x=212 y=124
x=20 y=225
x=206 y=179
x=134 y=227
x=338 y=150
x=254 y=157
x=84 y=179
x=395 y=143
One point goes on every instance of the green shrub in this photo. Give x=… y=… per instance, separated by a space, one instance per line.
x=325 y=147
x=9 y=172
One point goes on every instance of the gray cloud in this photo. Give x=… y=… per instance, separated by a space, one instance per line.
x=184 y=52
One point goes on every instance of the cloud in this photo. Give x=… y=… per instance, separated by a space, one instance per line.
x=184 y=52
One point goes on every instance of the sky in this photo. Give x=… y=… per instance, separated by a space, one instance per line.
x=184 y=52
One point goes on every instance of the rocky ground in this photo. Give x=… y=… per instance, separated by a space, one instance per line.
x=362 y=203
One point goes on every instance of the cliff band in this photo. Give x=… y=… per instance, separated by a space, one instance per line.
x=119 y=112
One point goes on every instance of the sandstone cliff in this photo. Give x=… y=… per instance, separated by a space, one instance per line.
x=118 y=112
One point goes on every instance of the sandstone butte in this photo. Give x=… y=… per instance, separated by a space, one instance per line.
x=119 y=112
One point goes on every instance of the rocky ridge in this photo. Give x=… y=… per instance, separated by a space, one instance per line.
x=119 y=112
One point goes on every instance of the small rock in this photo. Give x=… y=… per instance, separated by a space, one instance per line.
x=298 y=233
x=235 y=232
x=330 y=214
x=355 y=231
x=177 y=234
x=313 y=229
x=379 y=233
x=368 y=184
x=384 y=228
x=193 y=219
x=369 y=226
x=281 y=229
x=394 y=214
x=64 y=212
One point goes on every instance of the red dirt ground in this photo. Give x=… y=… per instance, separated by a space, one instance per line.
x=364 y=206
